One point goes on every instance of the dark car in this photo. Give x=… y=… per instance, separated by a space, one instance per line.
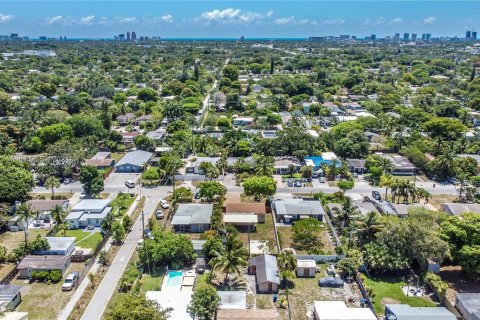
x=197 y=195
x=290 y=183
x=331 y=282
x=376 y=195
x=298 y=184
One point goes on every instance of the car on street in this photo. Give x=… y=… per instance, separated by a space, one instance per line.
x=159 y=214
x=67 y=181
x=376 y=195
x=70 y=281
x=290 y=183
x=130 y=184
x=197 y=195
x=148 y=234
x=164 y=204
x=298 y=184
x=322 y=179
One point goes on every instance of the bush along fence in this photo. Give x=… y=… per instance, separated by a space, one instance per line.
x=90 y=262
x=364 y=292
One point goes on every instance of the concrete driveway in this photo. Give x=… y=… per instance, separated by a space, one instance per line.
x=117 y=179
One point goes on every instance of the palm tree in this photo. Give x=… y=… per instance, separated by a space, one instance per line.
x=222 y=164
x=287 y=264
x=348 y=212
x=444 y=164
x=368 y=226
x=26 y=213
x=264 y=165
x=386 y=181
x=230 y=258
x=52 y=183
x=291 y=170
x=59 y=216
x=385 y=164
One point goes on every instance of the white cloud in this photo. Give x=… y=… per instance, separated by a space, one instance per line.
x=88 y=20
x=6 y=17
x=284 y=21
x=128 y=20
x=429 y=20
x=374 y=22
x=167 y=18
x=395 y=21
x=231 y=15
x=216 y=14
x=269 y=13
x=53 y=20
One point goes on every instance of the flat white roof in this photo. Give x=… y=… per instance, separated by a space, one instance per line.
x=306 y=264
x=338 y=310
x=329 y=156
x=177 y=300
x=240 y=218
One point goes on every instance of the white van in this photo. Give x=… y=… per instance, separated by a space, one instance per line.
x=130 y=184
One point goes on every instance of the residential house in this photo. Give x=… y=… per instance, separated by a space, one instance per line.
x=88 y=212
x=243 y=222
x=232 y=299
x=244 y=208
x=289 y=210
x=42 y=263
x=125 y=119
x=282 y=165
x=194 y=166
x=357 y=166
x=101 y=160
x=363 y=206
x=468 y=304
x=265 y=269
x=401 y=165
x=142 y=120
x=192 y=217
x=406 y=312
x=156 y=135
x=242 y=121
x=61 y=246
x=128 y=138
x=338 y=310
x=459 y=208
x=306 y=268
x=10 y=297
x=133 y=161
x=43 y=208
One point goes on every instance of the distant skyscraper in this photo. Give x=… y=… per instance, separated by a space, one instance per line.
x=121 y=36
x=414 y=37
x=13 y=36
x=373 y=37
x=396 y=37
x=134 y=36
x=128 y=35
x=474 y=35
x=468 y=34
x=406 y=36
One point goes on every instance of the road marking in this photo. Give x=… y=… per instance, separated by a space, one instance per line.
x=122 y=258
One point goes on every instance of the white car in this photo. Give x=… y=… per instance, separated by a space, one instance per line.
x=322 y=180
x=70 y=281
x=164 y=204
x=130 y=184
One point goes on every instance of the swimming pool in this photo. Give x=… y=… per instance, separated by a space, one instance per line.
x=175 y=279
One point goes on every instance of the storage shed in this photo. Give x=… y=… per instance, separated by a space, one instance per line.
x=306 y=268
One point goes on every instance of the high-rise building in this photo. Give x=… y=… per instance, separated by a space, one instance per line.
x=13 y=36
x=468 y=34
x=474 y=35
x=373 y=37
x=134 y=36
x=396 y=37
x=128 y=35
x=121 y=36
x=406 y=36
x=414 y=37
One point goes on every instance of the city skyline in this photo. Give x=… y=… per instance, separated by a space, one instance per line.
x=232 y=19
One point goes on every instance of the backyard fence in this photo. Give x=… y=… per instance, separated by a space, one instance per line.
x=320 y=258
x=365 y=293
x=92 y=260
x=338 y=243
x=9 y=276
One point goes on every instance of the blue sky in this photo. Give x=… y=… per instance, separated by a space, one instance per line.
x=215 y=18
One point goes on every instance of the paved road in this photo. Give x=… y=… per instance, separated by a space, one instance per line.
x=105 y=290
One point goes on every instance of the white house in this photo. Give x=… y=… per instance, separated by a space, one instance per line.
x=194 y=166
x=338 y=310
x=88 y=212
x=243 y=121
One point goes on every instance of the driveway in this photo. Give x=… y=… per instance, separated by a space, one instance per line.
x=117 y=179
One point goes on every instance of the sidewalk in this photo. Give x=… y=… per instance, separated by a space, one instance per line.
x=67 y=310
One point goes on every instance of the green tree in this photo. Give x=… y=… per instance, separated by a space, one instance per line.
x=231 y=72
x=151 y=174
x=52 y=183
x=182 y=194
x=231 y=258
x=306 y=235
x=287 y=264
x=259 y=187
x=210 y=171
x=118 y=232
x=352 y=261
x=59 y=217
x=147 y=94
x=211 y=189
x=204 y=303
x=91 y=179
x=54 y=132
x=367 y=227
x=26 y=213
x=135 y=307
x=264 y=165
x=144 y=143
x=16 y=182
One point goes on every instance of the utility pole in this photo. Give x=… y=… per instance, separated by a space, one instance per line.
x=143 y=226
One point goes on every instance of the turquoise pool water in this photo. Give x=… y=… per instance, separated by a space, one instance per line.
x=175 y=279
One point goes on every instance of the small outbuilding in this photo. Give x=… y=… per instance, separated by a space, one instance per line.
x=10 y=297
x=338 y=310
x=42 y=263
x=306 y=268
x=265 y=269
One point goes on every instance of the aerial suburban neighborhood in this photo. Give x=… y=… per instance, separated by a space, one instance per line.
x=328 y=178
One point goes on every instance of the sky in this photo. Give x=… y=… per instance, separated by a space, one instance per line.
x=232 y=19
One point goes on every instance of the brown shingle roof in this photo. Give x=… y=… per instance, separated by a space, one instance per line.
x=246 y=314
x=245 y=207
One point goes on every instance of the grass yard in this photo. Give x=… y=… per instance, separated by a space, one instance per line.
x=296 y=175
x=117 y=156
x=438 y=199
x=388 y=290
x=84 y=239
x=152 y=282
x=48 y=196
x=264 y=301
x=286 y=240
x=264 y=232
x=11 y=240
x=122 y=202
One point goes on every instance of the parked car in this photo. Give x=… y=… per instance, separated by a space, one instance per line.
x=130 y=184
x=159 y=214
x=331 y=282
x=376 y=195
x=139 y=243
x=148 y=234
x=322 y=180
x=67 y=181
x=290 y=183
x=298 y=184
x=164 y=204
x=197 y=195
x=70 y=281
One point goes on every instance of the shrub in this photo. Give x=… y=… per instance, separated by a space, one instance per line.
x=40 y=276
x=439 y=287
x=55 y=276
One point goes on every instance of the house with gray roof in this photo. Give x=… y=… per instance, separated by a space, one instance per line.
x=133 y=161
x=192 y=217
x=468 y=304
x=88 y=212
x=194 y=166
x=265 y=269
x=60 y=246
x=42 y=263
x=10 y=297
x=459 y=208
x=406 y=312
x=289 y=210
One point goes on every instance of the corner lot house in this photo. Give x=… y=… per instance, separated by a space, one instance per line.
x=59 y=246
x=405 y=312
x=192 y=217
x=338 y=310
x=468 y=304
x=289 y=210
x=265 y=269
x=133 y=161
x=10 y=297
x=88 y=212
x=42 y=263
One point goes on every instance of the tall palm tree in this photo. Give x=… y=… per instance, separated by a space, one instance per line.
x=385 y=164
x=59 y=215
x=26 y=213
x=264 y=165
x=368 y=226
x=230 y=258
x=386 y=181
x=287 y=264
x=348 y=212
x=445 y=164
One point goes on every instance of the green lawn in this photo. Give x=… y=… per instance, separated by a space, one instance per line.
x=122 y=202
x=388 y=290
x=296 y=175
x=152 y=282
x=84 y=239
